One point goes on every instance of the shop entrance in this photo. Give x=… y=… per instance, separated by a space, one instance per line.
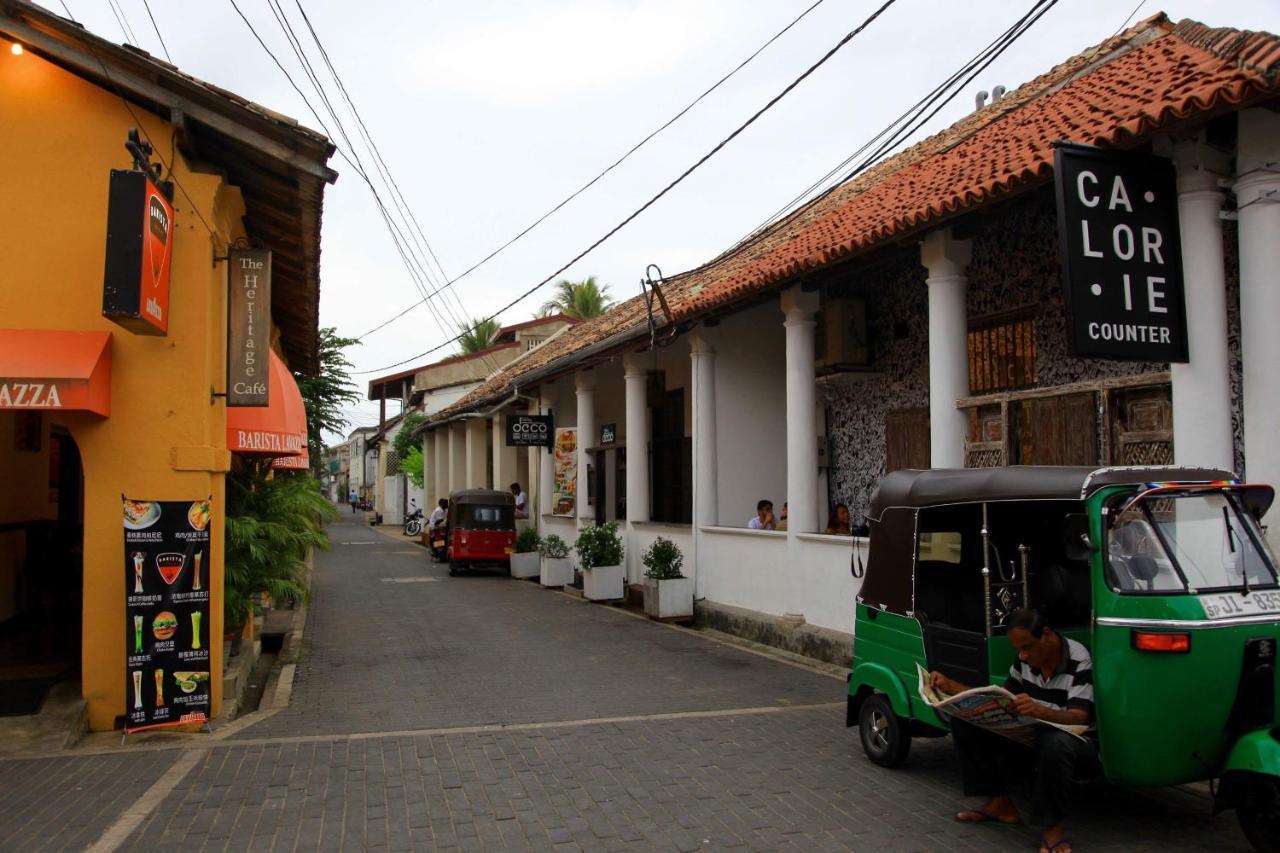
x=41 y=560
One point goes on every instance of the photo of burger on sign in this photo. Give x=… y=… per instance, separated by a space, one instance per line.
x=135 y=289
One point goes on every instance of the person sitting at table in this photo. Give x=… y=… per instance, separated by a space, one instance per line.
x=782 y=519
x=838 y=520
x=763 y=519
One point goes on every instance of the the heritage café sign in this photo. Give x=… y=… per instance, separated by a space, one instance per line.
x=248 y=327
x=529 y=431
x=1121 y=255
x=135 y=289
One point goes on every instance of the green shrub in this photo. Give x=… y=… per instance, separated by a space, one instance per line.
x=599 y=545
x=554 y=548
x=663 y=560
x=528 y=541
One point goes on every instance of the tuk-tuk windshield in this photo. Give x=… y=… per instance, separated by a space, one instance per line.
x=1190 y=542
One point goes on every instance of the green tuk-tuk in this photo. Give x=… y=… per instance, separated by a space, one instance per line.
x=1163 y=573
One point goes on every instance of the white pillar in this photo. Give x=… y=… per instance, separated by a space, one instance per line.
x=1258 y=200
x=1202 y=387
x=585 y=386
x=945 y=258
x=477 y=449
x=634 y=378
x=504 y=458
x=532 y=484
x=802 y=425
x=705 y=494
x=457 y=457
x=441 y=472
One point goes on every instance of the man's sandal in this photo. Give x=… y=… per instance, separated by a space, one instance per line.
x=984 y=816
x=1046 y=847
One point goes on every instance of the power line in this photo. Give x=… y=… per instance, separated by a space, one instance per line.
x=715 y=150
x=155 y=27
x=610 y=168
x=123 y=21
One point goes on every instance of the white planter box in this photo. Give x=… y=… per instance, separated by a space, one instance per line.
x=603 y=583
x=668 y=599
x=527 y=565
x=556 y=571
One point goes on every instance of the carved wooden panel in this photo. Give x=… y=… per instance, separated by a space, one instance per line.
x=906 y=439
x=1059 y=431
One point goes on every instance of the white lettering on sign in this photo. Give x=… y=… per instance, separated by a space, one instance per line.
x=32 y=395
x=1130 y=332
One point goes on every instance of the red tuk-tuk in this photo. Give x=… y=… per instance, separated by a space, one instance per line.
x=481 y=530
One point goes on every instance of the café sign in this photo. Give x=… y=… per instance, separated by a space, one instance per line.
x=135 y=288
x=530 y=431
x=1121 y=254
x=248 y=327
x=608 y=435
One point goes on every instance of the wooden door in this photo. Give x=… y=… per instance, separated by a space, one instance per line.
x=906 y=439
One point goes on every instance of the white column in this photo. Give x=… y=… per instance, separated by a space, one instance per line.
x=802 y=425
x=945 y=258
x=634 y=378
x=504 y=458
x=441 y=440
x=585 y=386
x=532 y=483
x=705 y=489
x=1258 y=200
x=476 y=469
x=457 y=457
x=1202 y=387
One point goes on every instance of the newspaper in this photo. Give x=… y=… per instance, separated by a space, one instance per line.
x=988 y=707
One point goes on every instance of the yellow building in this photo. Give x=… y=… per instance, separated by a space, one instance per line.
x=120 y=412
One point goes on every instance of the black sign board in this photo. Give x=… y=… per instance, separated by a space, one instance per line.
x=608 y=435
x=166 y=555
x=139 y=257
x=248 y=327
x=1121 y=254
x=530 y=431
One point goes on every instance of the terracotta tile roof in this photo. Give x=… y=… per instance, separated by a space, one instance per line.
x=1150 y=78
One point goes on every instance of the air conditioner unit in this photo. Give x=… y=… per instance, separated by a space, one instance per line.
x=841 y=340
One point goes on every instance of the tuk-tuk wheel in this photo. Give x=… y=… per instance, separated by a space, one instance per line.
x=884 y=734
x=1259 y=814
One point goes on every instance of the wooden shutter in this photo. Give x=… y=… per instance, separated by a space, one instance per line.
x=906 y=439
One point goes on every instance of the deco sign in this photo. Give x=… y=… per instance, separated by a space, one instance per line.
x=135 y=288
x=1121 y=254
x=529 y=431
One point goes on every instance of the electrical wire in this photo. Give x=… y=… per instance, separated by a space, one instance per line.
x=123 y=21
x=610 y=168
x=154 y=26
x=679 y=179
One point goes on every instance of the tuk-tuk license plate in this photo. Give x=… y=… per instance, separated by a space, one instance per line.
x=509 y=550
x=1223 y=604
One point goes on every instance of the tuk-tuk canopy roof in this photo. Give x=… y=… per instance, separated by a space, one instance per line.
x=936 y=486
x=481 y=496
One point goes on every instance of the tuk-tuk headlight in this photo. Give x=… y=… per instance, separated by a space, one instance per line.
x=1147 y=641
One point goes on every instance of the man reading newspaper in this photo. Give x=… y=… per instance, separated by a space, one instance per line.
x=1052 y=680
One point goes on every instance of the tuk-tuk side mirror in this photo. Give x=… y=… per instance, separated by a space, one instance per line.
x=1075 y=537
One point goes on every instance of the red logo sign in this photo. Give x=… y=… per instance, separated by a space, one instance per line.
x=157 y=256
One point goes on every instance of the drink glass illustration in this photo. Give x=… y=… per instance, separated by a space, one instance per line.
x=195 y=583
x=159 y=688
x=138 y=559
x=137 y=690
x=137 y=635
x=195 y=630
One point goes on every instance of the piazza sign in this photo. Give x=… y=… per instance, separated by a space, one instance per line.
x=1121 y=254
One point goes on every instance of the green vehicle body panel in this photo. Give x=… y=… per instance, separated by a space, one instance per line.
x=1160 y=716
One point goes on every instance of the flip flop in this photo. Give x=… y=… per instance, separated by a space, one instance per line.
x=983 y=816
x=1046 y=847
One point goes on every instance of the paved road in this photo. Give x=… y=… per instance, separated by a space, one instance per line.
x=482 y=713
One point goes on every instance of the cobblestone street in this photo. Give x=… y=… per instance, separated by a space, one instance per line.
x=485 y=713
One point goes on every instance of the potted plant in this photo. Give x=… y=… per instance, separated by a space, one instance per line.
x=599 y=550
x=525 y=562
x=557 y=569
x=668 y=594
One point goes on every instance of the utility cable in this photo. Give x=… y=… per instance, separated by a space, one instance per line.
x=610 y=168
x=123 y=21
x=679 y=179
x=154 y=26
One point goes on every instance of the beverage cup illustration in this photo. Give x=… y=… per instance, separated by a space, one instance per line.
x=139 y=559
x=195 y=630
x=195 y=582
x=137 y=690
x=137 y=635
x=159 y=688
x=170 y=566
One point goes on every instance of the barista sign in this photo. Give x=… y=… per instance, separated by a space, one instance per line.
x=1121 y=255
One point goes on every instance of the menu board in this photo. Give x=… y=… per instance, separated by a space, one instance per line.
x=564 y=489
x=166 y=545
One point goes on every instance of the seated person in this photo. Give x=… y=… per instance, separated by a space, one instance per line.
x=782 y=519
x=439 y=514
x=838 y=520
x=1052 y=680
x=522 y=501
x=763 y=519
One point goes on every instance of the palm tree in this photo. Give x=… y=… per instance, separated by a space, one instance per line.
x=579 y=299
x=478 y=335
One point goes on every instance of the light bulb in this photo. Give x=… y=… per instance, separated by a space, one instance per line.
x=15 y=49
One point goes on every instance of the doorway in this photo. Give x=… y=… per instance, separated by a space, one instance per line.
x=41 y=560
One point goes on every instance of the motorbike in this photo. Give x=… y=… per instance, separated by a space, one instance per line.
x=413 y=520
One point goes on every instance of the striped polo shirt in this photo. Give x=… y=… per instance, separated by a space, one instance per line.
x=1070 y=686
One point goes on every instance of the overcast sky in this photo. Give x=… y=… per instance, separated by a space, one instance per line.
x=489 y=113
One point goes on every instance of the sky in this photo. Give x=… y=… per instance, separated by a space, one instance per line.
x=488 y=114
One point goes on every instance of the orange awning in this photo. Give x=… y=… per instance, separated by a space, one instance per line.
x=277 y=429
x=47 y=370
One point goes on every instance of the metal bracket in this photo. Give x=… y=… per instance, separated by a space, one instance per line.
x=215 y=394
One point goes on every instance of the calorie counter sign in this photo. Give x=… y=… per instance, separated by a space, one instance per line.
x=1121 y=254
